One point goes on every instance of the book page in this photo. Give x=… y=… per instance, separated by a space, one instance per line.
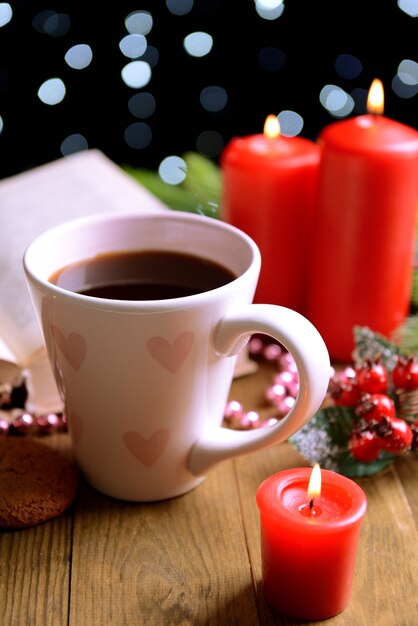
x=84 y=183
x=81 y=184
x=10 y=372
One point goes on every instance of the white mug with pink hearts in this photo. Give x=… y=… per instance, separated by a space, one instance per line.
x=145 y=376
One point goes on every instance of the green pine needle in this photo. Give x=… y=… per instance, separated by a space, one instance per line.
x=406 y=336
x=199 y=192
x=370 y=344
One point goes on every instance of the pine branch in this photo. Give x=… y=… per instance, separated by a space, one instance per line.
x=198 y=193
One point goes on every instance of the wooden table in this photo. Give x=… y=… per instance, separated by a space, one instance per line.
x=196 y=559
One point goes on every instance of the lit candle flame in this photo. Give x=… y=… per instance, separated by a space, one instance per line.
x=375 y=99
x=271 y=127
x=314 y=486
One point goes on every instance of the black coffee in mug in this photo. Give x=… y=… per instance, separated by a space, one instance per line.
x=142 y=275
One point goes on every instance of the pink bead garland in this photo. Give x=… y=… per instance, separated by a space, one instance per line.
x=21 y=422
x=15 y=420
x=280 y=394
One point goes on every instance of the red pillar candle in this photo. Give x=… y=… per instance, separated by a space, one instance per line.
x=362 y=262
x=309 y=545
x=268 y=190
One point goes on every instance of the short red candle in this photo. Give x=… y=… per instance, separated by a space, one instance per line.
x=362 y=262
x=268 y=190
x=309 y=554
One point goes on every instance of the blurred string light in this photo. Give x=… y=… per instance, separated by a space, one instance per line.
x=6 y=13
x=291 y=123
x=198 y=44
x=213 y=98
x=210 y=143
x=173 y=170
x=348 y=66
x=52 y=23
x=179 y=7
x=52 y=91
x=269 y=9
x=410 y=7
x=133 y=46
x=1 y=124
x=79 y=56
x=142 y=105
x=138 y=135
x=139 y=23
x=336 y=101
x=405 y=83
x=151 y=56
x=73 y=143
x=408 y=72
x=136 y=74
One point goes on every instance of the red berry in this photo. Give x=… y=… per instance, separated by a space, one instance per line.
x=372 y=376
x=344 y=393
x=405 y=373
x=364 y=446
x=373 y=406
x=395 y=435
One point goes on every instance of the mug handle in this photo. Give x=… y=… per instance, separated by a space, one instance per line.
x=303 y=341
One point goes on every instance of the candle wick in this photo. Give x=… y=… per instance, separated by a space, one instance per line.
x=311 y=503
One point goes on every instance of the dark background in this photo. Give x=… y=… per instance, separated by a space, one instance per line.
x=264 y=66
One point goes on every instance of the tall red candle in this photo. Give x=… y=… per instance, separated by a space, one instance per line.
x=309 y=546
x=268 y=189
x=362 y=262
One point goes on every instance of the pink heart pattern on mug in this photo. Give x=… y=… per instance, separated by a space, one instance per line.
x=73 y=347
x=171 y=356
x=147 y=451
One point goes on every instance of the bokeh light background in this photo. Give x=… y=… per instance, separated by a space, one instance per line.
x=143 y=81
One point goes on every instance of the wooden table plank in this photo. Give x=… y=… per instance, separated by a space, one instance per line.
x=387 y=564
x=183 y=561
x=35 y=568
x=407 y=470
